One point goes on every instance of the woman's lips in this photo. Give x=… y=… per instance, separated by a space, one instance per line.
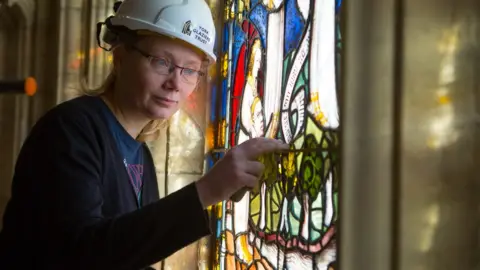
x=165 y=101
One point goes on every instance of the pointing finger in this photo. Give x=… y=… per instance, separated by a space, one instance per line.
x=260 y=146
x=254 y=168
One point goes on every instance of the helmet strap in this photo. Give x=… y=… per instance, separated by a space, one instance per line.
x=99 y=31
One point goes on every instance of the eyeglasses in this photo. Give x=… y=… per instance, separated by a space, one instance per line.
x=164 y=67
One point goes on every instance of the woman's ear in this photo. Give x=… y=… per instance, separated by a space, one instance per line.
x=118 y=56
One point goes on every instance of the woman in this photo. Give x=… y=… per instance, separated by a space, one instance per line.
x=84 y=193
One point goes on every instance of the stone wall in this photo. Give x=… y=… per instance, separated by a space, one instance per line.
x=26 y=34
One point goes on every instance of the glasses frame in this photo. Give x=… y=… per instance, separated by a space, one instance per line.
x=171 y=66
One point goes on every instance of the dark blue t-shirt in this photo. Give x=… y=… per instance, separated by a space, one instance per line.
x=130 y=149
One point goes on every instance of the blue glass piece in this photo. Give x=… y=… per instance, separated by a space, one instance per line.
x=213 y=104
x=237 y=123
x=239 y=38
x=226 y=37
x=210 y=162
x=338 y=6
x=212 y=158
x=259 y=16
x=223 y=111
x=219 y=228
x=294 y=26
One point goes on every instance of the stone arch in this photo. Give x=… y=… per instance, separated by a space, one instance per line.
x=26 y=8
x=12 y=22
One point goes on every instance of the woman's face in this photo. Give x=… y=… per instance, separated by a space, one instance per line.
x=146 y=83
x=257 y=61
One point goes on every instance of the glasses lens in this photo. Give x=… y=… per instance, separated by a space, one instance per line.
x=190 y=78
x=163 y=67
x=160 y=66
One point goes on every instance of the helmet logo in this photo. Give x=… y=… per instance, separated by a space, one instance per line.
x=187 y=28
x=199 y=33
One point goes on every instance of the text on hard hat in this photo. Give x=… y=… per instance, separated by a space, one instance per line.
x=201 y=34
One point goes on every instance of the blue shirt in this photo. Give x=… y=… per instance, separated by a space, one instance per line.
x=130 y=149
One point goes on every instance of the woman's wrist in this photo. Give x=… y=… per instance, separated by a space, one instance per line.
x=203 y=193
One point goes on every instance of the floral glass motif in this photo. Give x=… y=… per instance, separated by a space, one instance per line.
x=279 y=67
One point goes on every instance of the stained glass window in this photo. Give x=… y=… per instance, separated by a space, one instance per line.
x=279 y=68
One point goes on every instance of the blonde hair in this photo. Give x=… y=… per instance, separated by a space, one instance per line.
x=150 y=132
x=256 y=48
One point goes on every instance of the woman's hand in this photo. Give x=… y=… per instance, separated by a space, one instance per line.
x=239 y=168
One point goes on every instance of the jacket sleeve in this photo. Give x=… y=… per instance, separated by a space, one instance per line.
x=64 y=158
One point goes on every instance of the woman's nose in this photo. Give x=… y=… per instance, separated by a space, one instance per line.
x=173 y=80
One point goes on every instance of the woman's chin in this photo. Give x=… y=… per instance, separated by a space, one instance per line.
x=161 y=113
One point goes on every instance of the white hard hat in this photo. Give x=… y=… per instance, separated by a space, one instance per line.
x=188 y=20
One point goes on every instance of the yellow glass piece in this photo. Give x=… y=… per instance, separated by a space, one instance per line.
x=244 y=244
x=273 y=168
x=319 y=115
x=247 y=4
x=270 y=4
x=219 y=210
x=255 y=208
x=269 y=175
x=226 y=13
x=240 y=8
x=209 y=137
x=276 y=198
x=221 y=133
x=224 y=65
x=229 y=10
x=289 y=165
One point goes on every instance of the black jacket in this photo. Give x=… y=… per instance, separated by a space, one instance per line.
x=72 y=206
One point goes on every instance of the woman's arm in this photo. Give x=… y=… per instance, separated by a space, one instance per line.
x=61 y=166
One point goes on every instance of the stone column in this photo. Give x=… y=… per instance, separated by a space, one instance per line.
x=69 y=54
x=15 y=22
